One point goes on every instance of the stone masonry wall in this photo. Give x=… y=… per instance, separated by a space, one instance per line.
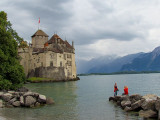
x=55 y=73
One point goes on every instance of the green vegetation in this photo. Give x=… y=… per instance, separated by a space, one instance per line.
x=38 y=79
x=123 y=72
x=11 y=72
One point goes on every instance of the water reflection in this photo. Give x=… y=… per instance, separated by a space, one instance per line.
x=64 y=95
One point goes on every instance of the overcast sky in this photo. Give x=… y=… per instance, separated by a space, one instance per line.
x=97 y=27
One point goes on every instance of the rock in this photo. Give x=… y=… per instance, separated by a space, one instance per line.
x=42 y=99
x=29 y=101
x=1 y=93
x=157 y=104
x=135 y=97
x=119 y=103
x=23 y=89
x=22 y=100
x=117 y=98
x=127 y=109
x=125 y=103
x=8 y=105
x=137 y=105
x=111 y=98
x=49 y=101
x=12 y=100
x=147 y=105
x=11 y=92
x=124 y=98
x=37 y=104
x=148 y=114
x=6 y=97
x=33 y=94
x=16 y=104
x=150 y=97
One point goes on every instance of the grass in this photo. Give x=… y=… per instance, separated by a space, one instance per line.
x=36 y=79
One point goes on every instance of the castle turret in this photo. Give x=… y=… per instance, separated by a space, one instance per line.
x=39 y=39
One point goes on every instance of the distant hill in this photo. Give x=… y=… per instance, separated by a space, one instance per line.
x=115 y=65
x=83 y=66
x=145 y=62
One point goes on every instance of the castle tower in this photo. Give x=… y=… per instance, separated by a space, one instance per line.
x=39 y=39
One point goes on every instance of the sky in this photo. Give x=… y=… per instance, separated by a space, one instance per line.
x=97 y=27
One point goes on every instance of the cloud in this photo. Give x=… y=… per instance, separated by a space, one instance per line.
x=97 y=27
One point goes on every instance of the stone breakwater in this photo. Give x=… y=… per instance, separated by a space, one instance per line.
x=147 y=106
x=23 y=98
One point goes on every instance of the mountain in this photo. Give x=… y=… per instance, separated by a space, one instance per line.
x=115 y=65
x=83 y=65
x=145 y=62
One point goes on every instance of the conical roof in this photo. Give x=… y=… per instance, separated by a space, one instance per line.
x=39 y=33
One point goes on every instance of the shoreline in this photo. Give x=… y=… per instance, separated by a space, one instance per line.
x=50 y=80
x=119 y=73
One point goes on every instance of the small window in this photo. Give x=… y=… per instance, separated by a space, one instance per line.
x=61 y=64
x=51 y=63
x=42 y=64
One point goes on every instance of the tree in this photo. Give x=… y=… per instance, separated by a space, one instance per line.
x=11 y=72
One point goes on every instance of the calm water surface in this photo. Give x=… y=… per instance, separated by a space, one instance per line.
x=86 y=99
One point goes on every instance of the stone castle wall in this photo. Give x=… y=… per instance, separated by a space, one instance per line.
x=56 y=73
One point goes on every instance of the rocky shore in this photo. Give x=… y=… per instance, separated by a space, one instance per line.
x=147 y=106
x=23 y=98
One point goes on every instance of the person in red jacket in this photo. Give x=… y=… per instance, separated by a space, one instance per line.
x=125 y=90
x=115 y=89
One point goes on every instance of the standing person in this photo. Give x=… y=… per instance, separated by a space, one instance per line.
x=125 y=90
x=115 y=89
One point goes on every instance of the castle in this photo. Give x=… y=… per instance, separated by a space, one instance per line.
x=54 y=58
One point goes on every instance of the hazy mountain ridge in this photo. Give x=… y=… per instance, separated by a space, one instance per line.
x=133 y=62
x=145 y=62
x=115 y=65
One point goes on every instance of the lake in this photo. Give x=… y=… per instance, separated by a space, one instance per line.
x=86 y=99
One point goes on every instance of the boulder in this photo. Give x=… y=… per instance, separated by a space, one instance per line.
x=22 y=100
x=42 y=99
x=119 y=103
x=49 y=101
x=12 y=100
x=6 y=97
x=16 y=104
x=117 y=98
x=37 y=104
x=148 y=114
x=157 y=104
x=150 y=97
x=124 y=98
x=33 y=94
x=135 y=97
x=148 y=105
x=111 y=98
x=11 y=92
x=1 y=93
x=29 y=101
x=125 y=103
x=8 y=105
x=127 y=109
x=137 y=105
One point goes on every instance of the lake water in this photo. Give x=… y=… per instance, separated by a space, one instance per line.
x=86 y=99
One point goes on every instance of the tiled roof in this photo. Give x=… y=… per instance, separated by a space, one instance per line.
x=53 y=40
x=39 y=33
